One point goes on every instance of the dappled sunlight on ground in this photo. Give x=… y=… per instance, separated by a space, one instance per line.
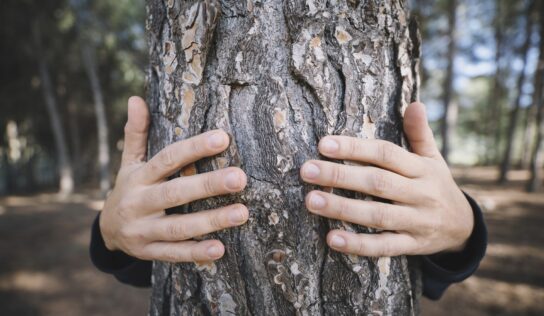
x=510 y=280
x=45 y=268
x=44 y=262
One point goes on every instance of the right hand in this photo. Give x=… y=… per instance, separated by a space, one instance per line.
x=133 y=219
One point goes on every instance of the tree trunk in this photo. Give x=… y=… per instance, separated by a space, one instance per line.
x=278 y=75
x=514 y=114
x=449 y=119
x=89 y=62
x=66 y=180
x=537 y=157
x=495 y=94
x=528 y=134
x=75 y=141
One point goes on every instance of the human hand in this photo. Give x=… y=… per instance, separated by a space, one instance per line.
x=428 y=213
x=133 y=219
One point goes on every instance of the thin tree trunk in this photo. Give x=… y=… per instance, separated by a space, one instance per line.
x=449 y=119
x=528 y=134
x=537 y=157
x=495 y=94
x=75 y=141
x=514 y=115
x=66 y=180
x=279 y=75
x=89 y=61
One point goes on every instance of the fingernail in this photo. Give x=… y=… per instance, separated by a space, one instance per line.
x=310 y=171
x=233 y=181
x=317 y=201
x=216 y=140
x=338 y=242
x=237 y=217
x=329 y=145
x=214 y=252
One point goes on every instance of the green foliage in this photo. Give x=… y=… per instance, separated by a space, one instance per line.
x=117 y=30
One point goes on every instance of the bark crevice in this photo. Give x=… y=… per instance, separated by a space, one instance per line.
x=278 y=76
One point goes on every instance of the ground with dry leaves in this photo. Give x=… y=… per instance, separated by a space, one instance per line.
x=45 y=268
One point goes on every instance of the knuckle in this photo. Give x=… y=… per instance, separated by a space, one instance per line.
x=361 y=247
x=381 y=218
x=209 y=185
x=167 y=158
x=175 y=231
x=381 y=183
x=215 y=221
x=385 y=250
x=341 y=208
x=169 y=193
x=126 y=234
x=386 y=152
x=125 y=208
x=194 y=145
x=170 y=255
x=195 y=254
x=353 y=147
x=338 y=175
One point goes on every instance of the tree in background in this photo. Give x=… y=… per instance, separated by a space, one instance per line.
x=119 y=61
x=66 y=179
x=449 y=118
x=537 y=159
x=84 y=25
x=514 y=113
x=279 y=75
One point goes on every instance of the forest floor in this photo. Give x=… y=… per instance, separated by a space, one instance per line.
x=45 y=268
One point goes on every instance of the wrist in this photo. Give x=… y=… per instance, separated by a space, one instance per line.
x=104 y=232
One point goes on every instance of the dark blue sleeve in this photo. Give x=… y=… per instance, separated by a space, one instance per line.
x=441 y=270
x=124 y=268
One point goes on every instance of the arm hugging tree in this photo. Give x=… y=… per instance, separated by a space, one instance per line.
x=278 y=75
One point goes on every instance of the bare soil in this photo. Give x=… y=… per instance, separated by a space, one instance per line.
x=45 y=267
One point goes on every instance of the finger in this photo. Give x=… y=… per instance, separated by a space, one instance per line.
x=384 y=244
x=136 y=128
x=184 y=251
x=188 y=226
x=373 y=214
x=182 y=153
x=182 y=190
x=369 y=180
x=374 y=151
x=419 y=133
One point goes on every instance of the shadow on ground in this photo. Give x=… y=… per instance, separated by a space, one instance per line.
x=45 y=268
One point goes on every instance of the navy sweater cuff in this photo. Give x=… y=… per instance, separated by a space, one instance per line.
x=125 y=268
x=441 y=270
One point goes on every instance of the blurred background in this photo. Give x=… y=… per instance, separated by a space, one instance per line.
x=68 y=67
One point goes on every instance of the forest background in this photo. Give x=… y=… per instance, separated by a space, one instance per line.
x=68 y=66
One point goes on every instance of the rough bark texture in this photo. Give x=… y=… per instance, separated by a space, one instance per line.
x=278 y=75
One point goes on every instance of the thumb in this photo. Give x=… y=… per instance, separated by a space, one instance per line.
x=135 y=146
x=419 y=133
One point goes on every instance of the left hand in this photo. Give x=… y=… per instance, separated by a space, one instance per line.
x=428 y=212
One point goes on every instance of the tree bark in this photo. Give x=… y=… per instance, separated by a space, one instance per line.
x=514 y=114
x=278 y=75
x=537 y=157
x=449 y=119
